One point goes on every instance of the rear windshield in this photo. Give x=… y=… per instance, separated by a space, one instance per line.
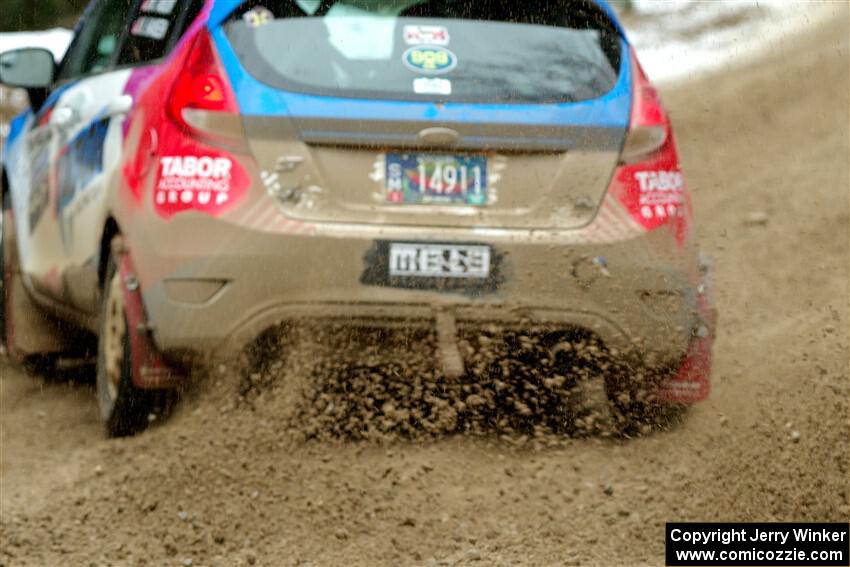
x=452 y=50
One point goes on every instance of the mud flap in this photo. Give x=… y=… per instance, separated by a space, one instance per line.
x=448 y=353
x=149 y=370
x=592 y=407
x=692 y=382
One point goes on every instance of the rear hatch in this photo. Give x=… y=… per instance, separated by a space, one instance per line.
x=430 y=112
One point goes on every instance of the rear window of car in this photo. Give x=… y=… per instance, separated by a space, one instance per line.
x=443 y=50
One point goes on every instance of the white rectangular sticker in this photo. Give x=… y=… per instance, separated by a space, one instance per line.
x=429 y=85
x=439 y=260
x=153 y=28
x=162 y=7
x=426 y=35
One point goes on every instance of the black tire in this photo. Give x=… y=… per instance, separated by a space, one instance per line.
x=124 y=409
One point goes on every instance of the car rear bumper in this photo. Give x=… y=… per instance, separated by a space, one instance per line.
x=214 y=295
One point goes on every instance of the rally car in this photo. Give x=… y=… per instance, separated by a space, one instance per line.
x=194 y=172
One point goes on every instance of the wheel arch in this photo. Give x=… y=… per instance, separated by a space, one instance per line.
x=4 y=185
x=110 y=231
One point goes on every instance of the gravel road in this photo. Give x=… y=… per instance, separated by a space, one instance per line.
x=765 y=150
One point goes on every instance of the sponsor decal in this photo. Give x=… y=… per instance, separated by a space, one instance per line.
x=426 y=35
x=173 y=172
x=660 y=194
x=439 y=260
x=473 y=269
x=39 y=148
x=258 y=16
x=80 y=161
x=208 y=183
x=151 y=28
x=161 y=7
x=78 y=164
x=654 y=195
x=428 y=59
x=432 y=85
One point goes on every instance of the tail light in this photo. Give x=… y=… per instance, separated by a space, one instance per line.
x=648 y=181
x=201 y=100
x=200 y=84
x=197 y=167
x=648 y=123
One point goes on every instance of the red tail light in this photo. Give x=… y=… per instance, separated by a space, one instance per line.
x=648 y=123
x=647 y=109
x=201 y=100
x=201 y=153
x=648 y=182
x=201 y=85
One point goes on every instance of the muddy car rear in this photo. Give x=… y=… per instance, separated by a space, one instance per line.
x=410 y=159
x=391 y=163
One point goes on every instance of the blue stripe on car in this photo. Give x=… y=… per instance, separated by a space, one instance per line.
x=15 y=128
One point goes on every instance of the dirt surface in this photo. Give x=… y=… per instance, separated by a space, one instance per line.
x=765 y=150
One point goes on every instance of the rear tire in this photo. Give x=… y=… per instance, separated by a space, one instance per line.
x=124 y=409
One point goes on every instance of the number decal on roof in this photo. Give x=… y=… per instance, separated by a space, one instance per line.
x=161 y=7
x=153 y=28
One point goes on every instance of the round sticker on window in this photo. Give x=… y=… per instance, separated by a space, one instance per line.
x=429 y=59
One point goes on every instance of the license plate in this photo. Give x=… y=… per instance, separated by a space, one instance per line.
x=439 y=260
x=436 y=178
